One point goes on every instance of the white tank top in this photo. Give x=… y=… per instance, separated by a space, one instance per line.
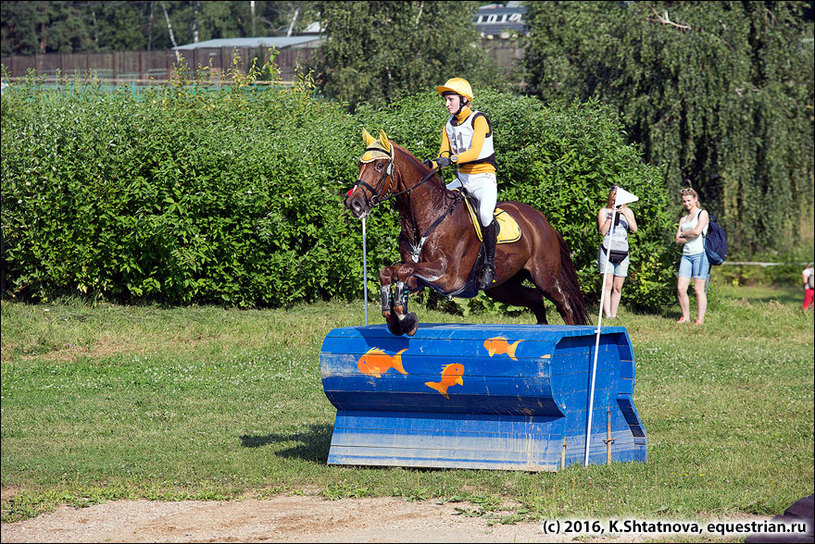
x=461 y=137
x=693 y=245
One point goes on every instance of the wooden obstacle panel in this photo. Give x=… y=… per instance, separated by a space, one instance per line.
x=480 y=396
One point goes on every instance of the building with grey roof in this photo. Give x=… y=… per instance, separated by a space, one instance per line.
x=501 y=21
x=278 y=42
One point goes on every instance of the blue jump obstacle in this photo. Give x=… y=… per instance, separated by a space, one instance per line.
x=480 y=396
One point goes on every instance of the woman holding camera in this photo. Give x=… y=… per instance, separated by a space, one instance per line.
x=613 y=264
x=694 y=264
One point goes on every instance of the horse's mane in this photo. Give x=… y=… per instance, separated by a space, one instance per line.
x=419 y=165
x=411 y=157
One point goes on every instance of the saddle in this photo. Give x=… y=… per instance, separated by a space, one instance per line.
x=508 y=229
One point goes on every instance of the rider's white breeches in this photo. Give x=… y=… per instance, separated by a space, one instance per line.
x=483 y=188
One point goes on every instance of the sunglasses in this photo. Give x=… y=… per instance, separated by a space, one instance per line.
x=686 y=190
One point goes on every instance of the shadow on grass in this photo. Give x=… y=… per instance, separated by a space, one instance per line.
x=311 y=443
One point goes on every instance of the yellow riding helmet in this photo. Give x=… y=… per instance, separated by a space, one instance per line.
x=457 y=85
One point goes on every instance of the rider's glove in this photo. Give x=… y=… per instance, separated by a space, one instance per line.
x=443 y=161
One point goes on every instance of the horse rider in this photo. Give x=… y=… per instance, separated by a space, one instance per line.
x=466 y=142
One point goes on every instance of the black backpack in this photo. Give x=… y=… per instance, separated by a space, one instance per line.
x=715 y=242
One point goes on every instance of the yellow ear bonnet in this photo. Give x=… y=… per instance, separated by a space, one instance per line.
x=367 y=138
x=375 y=149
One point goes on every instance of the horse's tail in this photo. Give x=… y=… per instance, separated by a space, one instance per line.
x=568 y=278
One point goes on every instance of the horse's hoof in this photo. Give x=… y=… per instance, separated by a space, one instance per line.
x=395 y=327
x=410 y=324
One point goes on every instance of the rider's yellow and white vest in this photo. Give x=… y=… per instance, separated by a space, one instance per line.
x=460 y=136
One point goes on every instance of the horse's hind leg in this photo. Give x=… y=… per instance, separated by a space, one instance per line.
x=551 y=289
x=514 y=293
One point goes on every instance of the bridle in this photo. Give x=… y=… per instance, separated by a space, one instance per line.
x=375 y=192
x=415 y=246
x=377 y=195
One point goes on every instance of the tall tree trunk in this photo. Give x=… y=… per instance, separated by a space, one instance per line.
x=150 y=27
x=170 y=30
x=252 y=13
x=293 y=20
x=195 y=6
x=95 y=29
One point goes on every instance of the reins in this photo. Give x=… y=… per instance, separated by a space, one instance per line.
x=415 y=248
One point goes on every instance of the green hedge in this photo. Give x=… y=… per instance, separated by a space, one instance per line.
x=234 y=196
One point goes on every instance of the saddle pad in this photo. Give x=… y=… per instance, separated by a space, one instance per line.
x=508 y=229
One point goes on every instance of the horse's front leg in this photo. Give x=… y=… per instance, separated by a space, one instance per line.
x=405 y=279
x=408 y=321
x=387 y=300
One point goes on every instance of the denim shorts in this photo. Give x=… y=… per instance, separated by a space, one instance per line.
x=620 y=269
x=694 y=266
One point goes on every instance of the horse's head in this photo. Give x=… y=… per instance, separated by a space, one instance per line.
x=375 y=175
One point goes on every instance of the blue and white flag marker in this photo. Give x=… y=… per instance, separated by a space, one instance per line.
x=622 y=197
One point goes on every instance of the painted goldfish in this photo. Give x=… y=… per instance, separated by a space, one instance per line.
x=376 y=362
x=450 y=376
x=499 y=346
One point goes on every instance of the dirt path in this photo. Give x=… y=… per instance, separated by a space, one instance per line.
x=290 y=519
x=282 y=519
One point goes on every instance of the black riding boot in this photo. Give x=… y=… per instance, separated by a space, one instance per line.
x=487 y=276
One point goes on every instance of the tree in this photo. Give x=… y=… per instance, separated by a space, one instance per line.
x=717 y=93
x=123 y=26
x=96 y=25
x=41 y=27
x=380 y=51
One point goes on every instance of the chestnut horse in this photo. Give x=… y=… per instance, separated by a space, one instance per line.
x=440 y=248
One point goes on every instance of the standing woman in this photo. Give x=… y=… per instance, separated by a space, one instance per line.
x=694 y=264
x=615 y=237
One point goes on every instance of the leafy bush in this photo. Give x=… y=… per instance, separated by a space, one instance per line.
x=180 y=195
x=234 y=195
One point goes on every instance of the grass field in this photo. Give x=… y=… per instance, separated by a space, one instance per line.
x=113 y=402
